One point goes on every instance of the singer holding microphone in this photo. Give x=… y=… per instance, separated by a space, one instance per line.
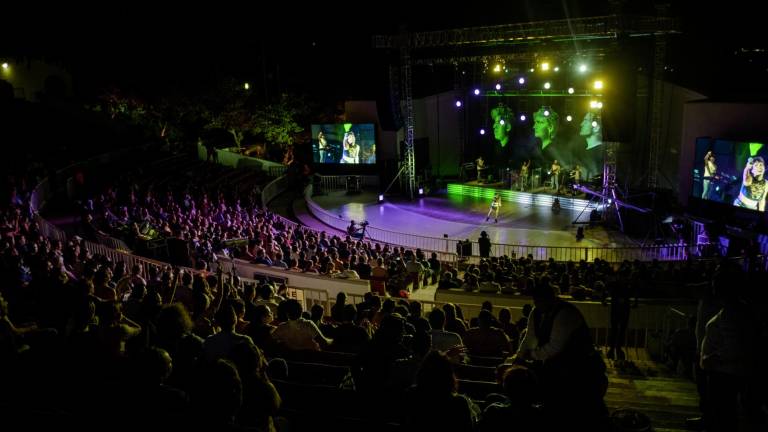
x=753 y=187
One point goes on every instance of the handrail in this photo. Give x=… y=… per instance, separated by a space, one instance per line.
x=678 y=312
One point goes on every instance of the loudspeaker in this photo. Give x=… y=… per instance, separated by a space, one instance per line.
x=353 y=184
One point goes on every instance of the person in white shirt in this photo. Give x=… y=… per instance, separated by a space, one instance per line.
x=298 y=333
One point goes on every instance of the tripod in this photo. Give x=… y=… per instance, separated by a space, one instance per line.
x=607 y=199
x=360 y=233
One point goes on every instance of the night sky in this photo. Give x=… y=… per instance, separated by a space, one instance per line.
x=326 y=50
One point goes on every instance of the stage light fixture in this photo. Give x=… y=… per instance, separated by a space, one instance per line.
x=594 y=123
x=582 y=68
x=458 y=104
x=482 y=131
x=570 y=90
x=557 y=69
x=568 y=118
x=547 y=85
x=421 y=191
x=498 y=86
x=533 y=70
x=246 y=86
x=381 y=197
x=521 y=80
x=600 y=105
x=546 y=113
x=5 y=65
x=501 y=121
x=477 y=92
x=545 y=66
x=522 y=117
x=497 y=68
x=593 y=104
x=598 y=85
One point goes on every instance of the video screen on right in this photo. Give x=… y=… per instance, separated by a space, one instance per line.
x=730 y=172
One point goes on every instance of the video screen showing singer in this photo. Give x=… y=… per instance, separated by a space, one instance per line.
x=753 y=190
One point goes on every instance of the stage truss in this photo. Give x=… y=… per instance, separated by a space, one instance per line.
x=521 y=41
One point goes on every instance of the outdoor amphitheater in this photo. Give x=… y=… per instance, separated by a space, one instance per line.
x=518 y=252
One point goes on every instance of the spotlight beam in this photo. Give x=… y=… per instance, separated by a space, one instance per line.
x=618 y=202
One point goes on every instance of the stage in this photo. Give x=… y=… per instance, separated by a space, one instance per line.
x=459 y=212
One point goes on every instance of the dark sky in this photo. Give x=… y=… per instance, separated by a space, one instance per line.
x=327 y=48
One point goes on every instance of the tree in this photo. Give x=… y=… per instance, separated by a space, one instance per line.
x=278 y=121
x=231 y=109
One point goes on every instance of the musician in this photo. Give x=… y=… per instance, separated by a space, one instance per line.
x=322 y=146
x=710 y=171
x=753 y=185
x=575 y=175
x=495 y=207
x=524 y=175
x=480 y=164
x=351 y=151
x=554 y=171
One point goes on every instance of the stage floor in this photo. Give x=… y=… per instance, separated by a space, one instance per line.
x=462 y=217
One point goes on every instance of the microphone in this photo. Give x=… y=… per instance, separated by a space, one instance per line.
x=749 y=161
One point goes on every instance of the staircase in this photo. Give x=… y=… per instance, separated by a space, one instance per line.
x=648 y=387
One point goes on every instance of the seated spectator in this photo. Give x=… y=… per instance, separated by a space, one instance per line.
x=517 y=406
x=349 y=337
x=434 y=401
x=485 y=340
x=298 y=333
x=220 y=345
x=442 y=340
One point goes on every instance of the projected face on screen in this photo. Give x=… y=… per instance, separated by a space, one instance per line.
x=730 y=172
x=502 y=124
x=545 y=124
x=591 y=130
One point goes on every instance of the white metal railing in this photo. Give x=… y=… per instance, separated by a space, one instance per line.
x=333 y=183
x=670 y=252
x=273 y=189
x=378 y=235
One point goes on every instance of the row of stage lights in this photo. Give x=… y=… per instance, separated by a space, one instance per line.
x=594 y=106
x=596 y=85
x=544 y=66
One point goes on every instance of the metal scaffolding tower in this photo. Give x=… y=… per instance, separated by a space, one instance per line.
x=657 y=106
x=410 y=159
x=610 y=200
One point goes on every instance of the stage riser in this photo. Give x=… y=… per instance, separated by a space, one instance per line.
x=526 y=198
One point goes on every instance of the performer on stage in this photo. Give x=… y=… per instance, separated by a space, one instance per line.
x=575 y=175
x=710 y=171
x=495 y=207
x=351 y=151
x=753 y=187
x=480 y=164
x=322 y=146
x=524 y=175
x=555 y=173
